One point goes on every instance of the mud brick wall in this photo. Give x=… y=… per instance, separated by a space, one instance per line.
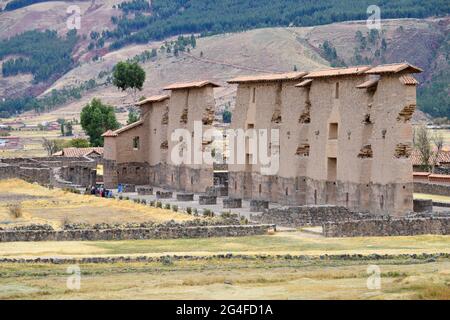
x=388 y=227
x=431 y=188
x=134 y=234
x=306 y=215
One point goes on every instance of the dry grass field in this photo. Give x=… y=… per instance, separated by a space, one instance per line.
x=231 y=279
x=44 y=206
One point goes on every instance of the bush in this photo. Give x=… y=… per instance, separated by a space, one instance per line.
x=189 y=210
x=175 y=208
x=120 y=197
x=167 y=261
x=152 y=203
x=195 y=212
x=208 y=213
x=15 y=210
x=158 y=204
x=167 y=206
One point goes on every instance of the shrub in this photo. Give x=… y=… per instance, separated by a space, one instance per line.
x=144 y=202
x=195 y=212
x=167 y=206
x=167 y=261
x=208 y=213
x=189 y=210
x=175 y=208
x=158 y=204
x=15 y=210
x=120 y=197
x=152 y=203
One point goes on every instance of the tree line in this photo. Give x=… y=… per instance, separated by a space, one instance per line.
x=42 y=53
x=173 y=17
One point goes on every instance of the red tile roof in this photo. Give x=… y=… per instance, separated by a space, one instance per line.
x=79 y=152
x=443 y=158
x=109 y=133
x=394 y=68
x=152 y=99
x=189 y=85
x=269 y=77
x=408 y=80
x=332 y=72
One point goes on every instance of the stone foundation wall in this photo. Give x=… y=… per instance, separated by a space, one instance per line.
x=431 y=188
x=306 y=215
x=135 y=234
x=388 y=227
x=393 y=199
x=39 y=175
x=81 y=175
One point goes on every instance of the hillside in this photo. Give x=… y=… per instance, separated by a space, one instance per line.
x=217 y=57
x=221 y=57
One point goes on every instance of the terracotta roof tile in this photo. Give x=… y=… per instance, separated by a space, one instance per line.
x=408 y=80
x=80 y=152
x=269 y=77
x=304 y=83
x=152 y=99
x=394 y=68
x=443 y=158
x=109 y=133
x=128 y=127
x=333 y=72
x=188 y=85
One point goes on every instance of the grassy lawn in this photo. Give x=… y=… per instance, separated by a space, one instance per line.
x=231 y=279
x=41 y=205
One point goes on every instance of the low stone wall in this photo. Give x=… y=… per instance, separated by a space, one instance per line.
x=185 y=196
x=135 y=233
x=164 y=194
x=307 y=215
x=431 y=188
x=388 y=227
x=232 y=203
x=144 y=191
x=423 y=205
x=207 y=200
x=40 y=175
x=441 y=204
x=258 y=205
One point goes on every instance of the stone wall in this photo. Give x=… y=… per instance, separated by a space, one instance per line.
x=431 y=188
x=306 y=215
x=134 y=233
x=39 y=175
x=388 y=227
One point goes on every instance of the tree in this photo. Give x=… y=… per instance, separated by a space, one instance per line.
x=423 y=146
x=128 y=75
x=77 y=143
x=97 y=118
x=424 y=142
x=52 y=146
x=133 y=116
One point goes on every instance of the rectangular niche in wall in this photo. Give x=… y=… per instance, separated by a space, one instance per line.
x=333 y=131
x=332 y=169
